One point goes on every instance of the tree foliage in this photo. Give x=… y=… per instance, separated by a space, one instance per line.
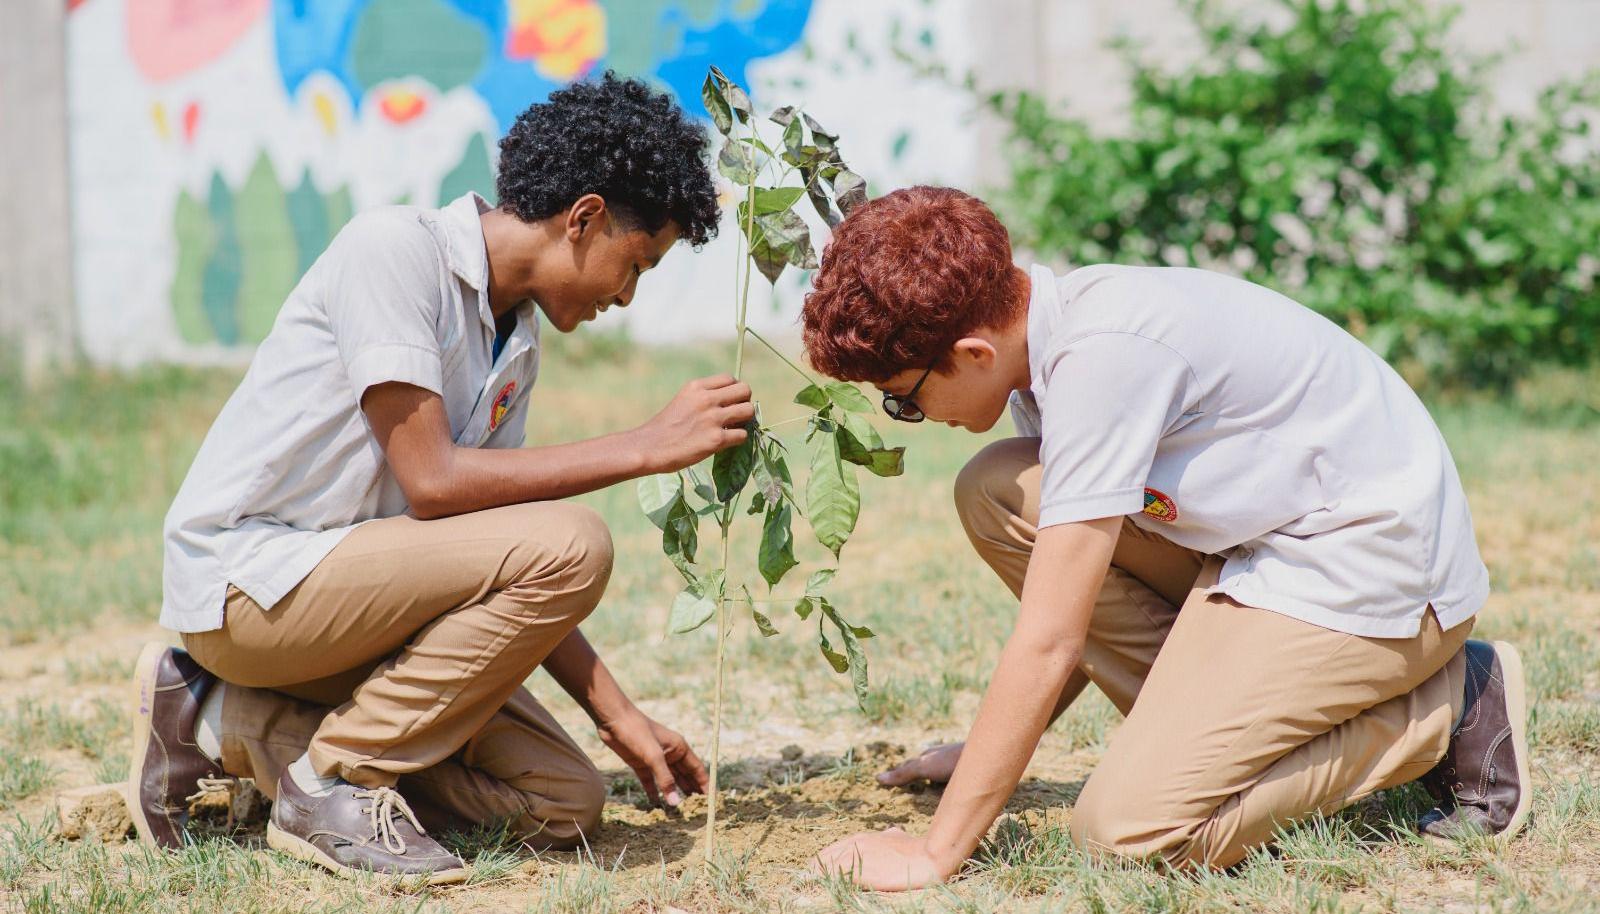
x=1343 y=153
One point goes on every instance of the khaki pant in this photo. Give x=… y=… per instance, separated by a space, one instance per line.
x=1239 y=720
x=400 y=661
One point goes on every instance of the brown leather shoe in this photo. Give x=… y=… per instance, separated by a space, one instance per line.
x=1482 y=785
x=166 y=767
x=359 y=830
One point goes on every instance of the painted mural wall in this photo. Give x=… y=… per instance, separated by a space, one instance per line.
x=217 y=145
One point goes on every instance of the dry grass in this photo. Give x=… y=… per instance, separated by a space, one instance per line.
x=86 y=471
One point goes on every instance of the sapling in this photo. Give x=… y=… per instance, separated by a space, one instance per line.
x=804 y=163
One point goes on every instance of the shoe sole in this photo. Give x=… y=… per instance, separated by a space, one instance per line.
x=144 y=687
x=1516 y=686
x=306 y=852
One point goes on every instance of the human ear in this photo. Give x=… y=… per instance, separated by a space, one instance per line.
x=975 y=350
x=588 y=213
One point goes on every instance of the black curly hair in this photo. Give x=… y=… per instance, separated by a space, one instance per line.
x=617 y=138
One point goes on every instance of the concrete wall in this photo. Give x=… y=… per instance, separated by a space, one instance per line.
x=216 y=147
x=36 y=308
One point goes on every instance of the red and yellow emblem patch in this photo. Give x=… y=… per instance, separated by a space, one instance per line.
x=1159 y=506
x=502 y=405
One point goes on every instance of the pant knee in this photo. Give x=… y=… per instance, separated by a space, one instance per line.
x=570 y=560
x=1111 y=827
x=569 y=818
x=991 y=478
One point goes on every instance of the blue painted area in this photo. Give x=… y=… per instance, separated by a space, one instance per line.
x=315 y=35
x=731 y=44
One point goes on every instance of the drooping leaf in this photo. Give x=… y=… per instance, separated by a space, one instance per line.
x=804 y=606
x=738 y=162
x=681 y=535
x=860 y=444
x=776 y=199
x=849 y=397
x=784 y=116
x=777 y=544
x=696 y=604
x=850 y=189
x=793 y=136
x=855 y=656
x=657 y=495
x=763 y=624
x=811 y=395
x=826 y=143
x=771 y=473
x=730 y=468
x=818 y=580
x=833 y=496
x=758 y=501
x=838 y=661
x=740 y=103
x=711 y=94
x=819 y=197
x=754 y=142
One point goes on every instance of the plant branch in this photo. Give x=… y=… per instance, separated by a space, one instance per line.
x=786 y=360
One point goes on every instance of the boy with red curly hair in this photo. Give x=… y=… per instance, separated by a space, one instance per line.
x=1221 y=509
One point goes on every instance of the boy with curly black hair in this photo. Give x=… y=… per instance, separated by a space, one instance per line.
x=365 y=564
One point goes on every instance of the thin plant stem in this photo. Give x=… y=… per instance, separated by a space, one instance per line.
x=727 y=521
x=779 y=353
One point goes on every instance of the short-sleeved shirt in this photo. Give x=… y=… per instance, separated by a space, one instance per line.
x=1232 y=420
x=290 y=466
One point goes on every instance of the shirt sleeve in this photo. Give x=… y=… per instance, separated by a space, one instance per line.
x=1109 y=397
x=383 y=297
x=1024 y=414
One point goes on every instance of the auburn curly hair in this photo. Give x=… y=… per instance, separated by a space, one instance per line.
x=905 y=276
x=620 y=139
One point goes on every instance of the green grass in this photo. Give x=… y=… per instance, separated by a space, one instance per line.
x=89 y=465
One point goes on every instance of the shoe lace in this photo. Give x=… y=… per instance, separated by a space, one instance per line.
x=208 y=786
x=386 y=802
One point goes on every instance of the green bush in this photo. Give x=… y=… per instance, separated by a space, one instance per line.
x=1344 y=154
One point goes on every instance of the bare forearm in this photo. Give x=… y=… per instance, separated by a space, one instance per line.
x=1017 y=707
x=576 y=667
x=475 y=479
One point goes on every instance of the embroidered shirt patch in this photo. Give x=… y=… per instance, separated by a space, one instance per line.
x=1159 y=506
x=502 y=405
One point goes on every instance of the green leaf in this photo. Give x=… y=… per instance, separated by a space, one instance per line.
x=827 y=143
x=833 y=496
x=740 y=103
x=838 y=661
x=657 y=495
x=771 y=473
x=696 y=604
x=730 y=468
x=681 y=535
x=784 y=116
x=793 y=136
x=855 y=656
x=777 y=544
x=860 y=444
x=716 y=102
x=849 y=397
x=818 y=580
x=777 y=240
x=811 y=395
x=850 y=189
x=819 y=198
x=754 y=142
x=804 y=606
x=758 y=501
x=739 y=163
x=776 y=199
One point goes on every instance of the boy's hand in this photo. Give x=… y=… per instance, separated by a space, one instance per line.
x=659 y=756
x=704 y=418
x=891 y=860
x=935 y=765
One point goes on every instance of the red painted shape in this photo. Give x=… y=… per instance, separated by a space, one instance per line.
x=401 y=107
x=191 y=121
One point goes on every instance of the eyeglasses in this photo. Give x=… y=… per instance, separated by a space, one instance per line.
x=905 y=409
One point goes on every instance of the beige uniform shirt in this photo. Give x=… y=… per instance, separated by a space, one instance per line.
x=1231 y=420
x=290 y=466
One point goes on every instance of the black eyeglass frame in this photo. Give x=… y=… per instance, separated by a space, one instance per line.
x=905 y=409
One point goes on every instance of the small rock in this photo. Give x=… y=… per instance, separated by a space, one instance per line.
x=98 y=812
x=791 y=753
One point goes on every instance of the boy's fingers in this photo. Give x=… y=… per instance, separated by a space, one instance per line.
x=739 y=413
x=738 y=392
x=649 y=784
x=901 y=774
x=665 y=784
x=694 y=769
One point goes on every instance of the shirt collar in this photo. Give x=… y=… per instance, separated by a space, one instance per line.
x=1043 y=301
x=464 y=247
